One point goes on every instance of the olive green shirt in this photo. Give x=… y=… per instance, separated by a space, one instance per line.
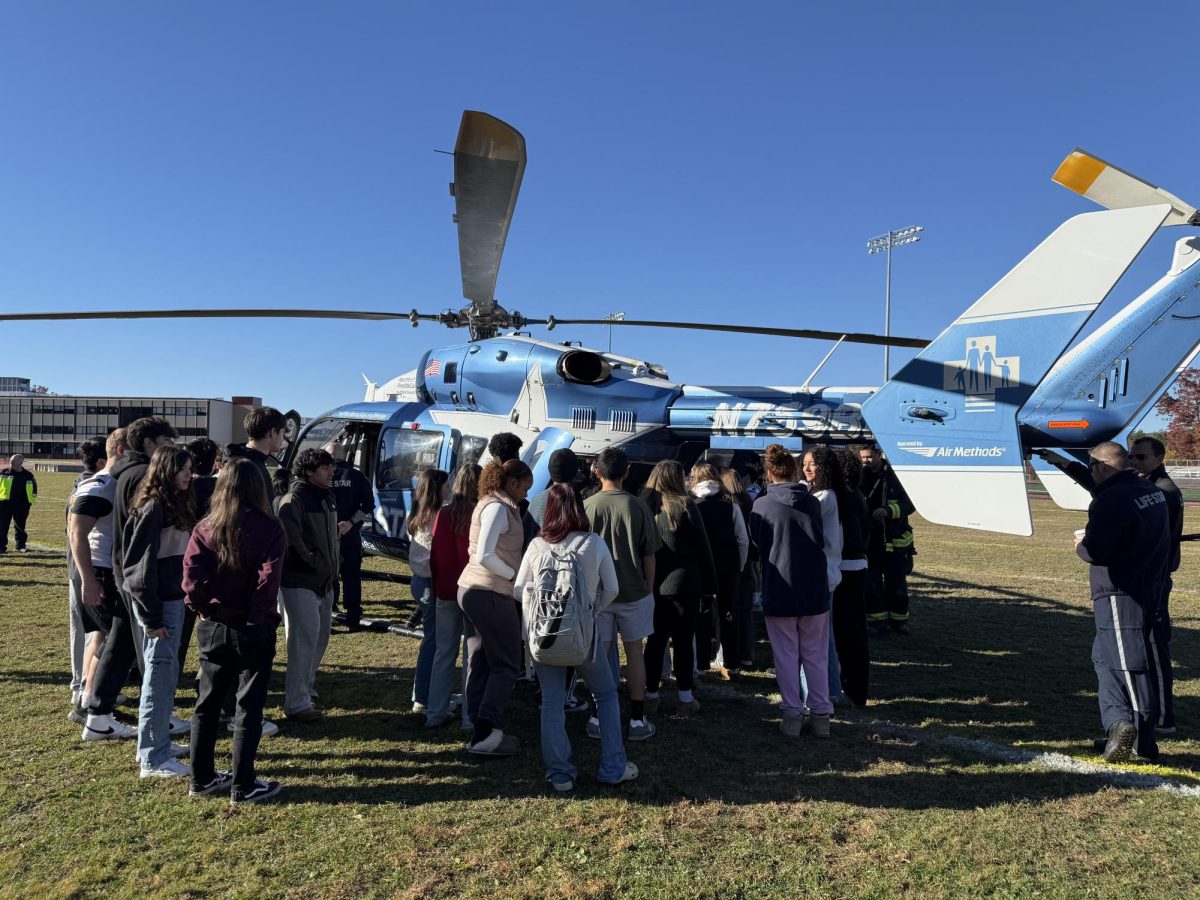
x=629 y=529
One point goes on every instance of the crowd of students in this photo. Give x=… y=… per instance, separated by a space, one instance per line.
x=554 y=587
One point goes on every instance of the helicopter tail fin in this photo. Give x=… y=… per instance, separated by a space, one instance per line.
x=948 y=419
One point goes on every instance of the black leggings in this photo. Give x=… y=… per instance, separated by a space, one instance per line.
x=850 y=634
x=675 y=620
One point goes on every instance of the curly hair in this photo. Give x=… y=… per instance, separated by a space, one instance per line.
x=851 y=468
x=504 y=446
x=780 y=464
x=496 y=474
x=829 y=471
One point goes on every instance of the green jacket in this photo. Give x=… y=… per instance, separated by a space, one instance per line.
x=309 y=517
x=19 y=487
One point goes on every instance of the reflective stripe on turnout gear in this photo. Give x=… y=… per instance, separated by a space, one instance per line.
x=903 y=542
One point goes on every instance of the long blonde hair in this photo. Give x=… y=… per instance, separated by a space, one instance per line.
x=239 y=488
x=666 y=481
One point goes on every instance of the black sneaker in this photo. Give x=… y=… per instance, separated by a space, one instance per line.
x=898 y=627
x=262 y=790
x=78 y=715
x=1119 y=744
x=221 y=781
x=415 y=619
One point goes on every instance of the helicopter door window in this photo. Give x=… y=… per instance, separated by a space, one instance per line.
x=450 y=373
x=321 y=433
x=470 y=448
x=403 y=454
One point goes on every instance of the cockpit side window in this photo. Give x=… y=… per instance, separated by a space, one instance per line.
x=403 y=453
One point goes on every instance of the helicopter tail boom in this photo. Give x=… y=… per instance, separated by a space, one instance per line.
x=953 y=409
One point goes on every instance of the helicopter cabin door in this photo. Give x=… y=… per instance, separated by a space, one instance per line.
x=404 y=451
x=538 y=458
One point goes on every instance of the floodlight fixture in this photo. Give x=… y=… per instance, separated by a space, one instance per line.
x=613 y=317
x=885 y=244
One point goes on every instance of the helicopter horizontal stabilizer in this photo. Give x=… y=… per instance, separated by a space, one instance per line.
x=1062 y=488
x=948 y=419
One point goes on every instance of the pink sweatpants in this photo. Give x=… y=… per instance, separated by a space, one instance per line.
x=796 y=641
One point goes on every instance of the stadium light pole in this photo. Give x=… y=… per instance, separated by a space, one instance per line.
x=884 y=244
x=613 y=317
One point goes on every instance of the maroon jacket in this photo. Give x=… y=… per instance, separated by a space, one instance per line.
x=246 y=597
x=448 y=556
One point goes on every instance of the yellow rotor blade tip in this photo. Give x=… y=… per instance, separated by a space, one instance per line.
x=1079 y=172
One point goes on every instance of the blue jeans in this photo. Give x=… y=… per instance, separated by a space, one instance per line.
x=422 y=592
x=158 y=688
x=449 y=617
x=556 y=748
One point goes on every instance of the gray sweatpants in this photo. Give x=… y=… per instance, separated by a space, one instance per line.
x=306 y=619
x=77 y=638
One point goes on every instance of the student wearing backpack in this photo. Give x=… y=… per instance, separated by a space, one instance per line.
x=567 y=578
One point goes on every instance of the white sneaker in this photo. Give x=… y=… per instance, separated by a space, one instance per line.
x=172 y=768
x=630 y=774
x=418 y=707
x=455 y=701
x=268 y=728
x=179 y=751
x=179 y=726
x=106 y=728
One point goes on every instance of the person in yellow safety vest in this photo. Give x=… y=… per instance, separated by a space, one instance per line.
x=18 y=493
x=890 y=549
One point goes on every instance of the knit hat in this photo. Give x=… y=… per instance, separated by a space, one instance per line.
x=563 y=466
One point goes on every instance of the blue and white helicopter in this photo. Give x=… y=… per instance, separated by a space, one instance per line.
x=958 y=422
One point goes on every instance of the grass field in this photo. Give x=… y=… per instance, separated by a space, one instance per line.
x=376 y=805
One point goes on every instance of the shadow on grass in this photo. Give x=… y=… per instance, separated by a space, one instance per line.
x=379 y=754
x=1007 y=664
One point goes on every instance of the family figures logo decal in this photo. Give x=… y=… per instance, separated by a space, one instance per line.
x=981 y=373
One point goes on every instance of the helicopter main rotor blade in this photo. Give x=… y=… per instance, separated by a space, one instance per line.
x=206 y=314
x=489 y=161
x=848 y=337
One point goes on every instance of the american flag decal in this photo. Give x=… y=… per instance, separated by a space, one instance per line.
x=433 y=369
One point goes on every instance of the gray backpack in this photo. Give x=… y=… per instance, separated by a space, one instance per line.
x=562 y=621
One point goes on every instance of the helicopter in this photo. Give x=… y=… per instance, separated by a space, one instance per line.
x=958 y=422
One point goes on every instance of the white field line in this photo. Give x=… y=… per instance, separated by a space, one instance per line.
x=1045 y=761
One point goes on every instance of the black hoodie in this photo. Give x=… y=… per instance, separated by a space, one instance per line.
x=260 y=460
x=129 y=471
x=1128 y=539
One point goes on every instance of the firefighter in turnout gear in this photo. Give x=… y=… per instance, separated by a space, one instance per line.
x=355 y=503
x=1127 y=543
x=18 y=493
x=890 y=550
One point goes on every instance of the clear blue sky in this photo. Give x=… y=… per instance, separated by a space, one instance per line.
x=703 y=161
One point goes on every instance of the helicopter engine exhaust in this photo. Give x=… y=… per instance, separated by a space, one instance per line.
x=584 y=367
